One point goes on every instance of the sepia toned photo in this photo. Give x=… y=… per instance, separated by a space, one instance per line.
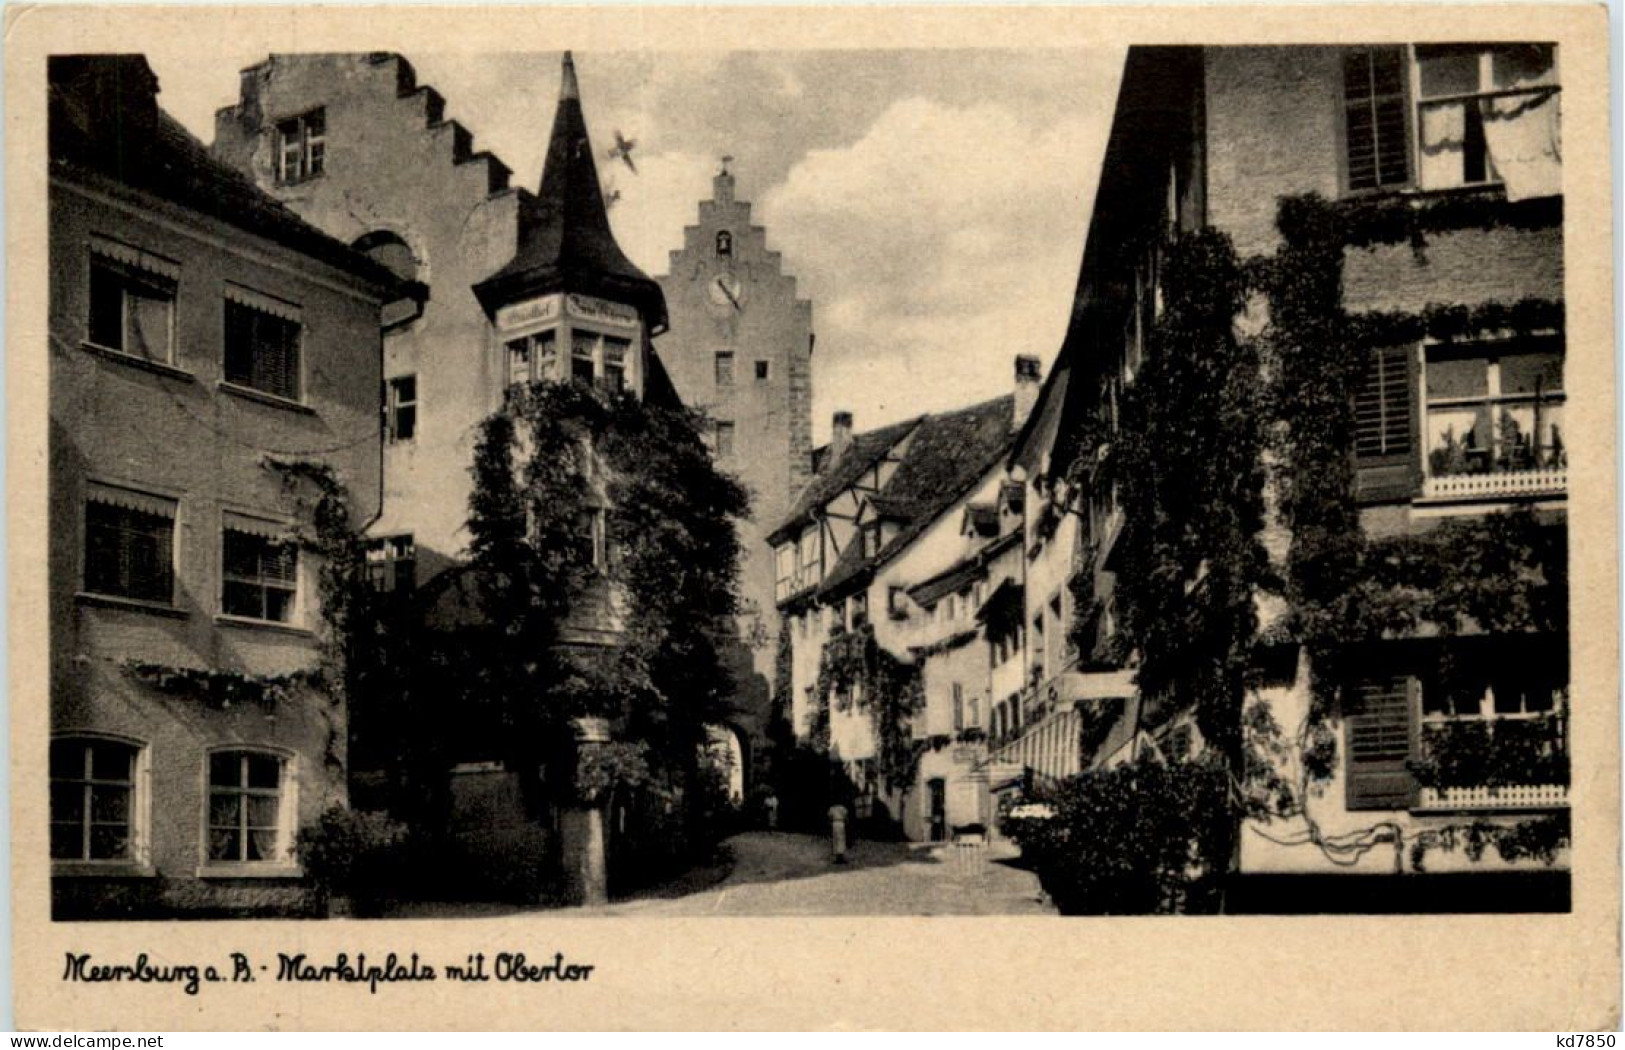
x=571 y=485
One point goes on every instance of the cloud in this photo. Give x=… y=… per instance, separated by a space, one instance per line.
x=931 y=202
x=656 y=203
x=936 y=247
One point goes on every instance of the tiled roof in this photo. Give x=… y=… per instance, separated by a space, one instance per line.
x=894 y=508
x=865 y=450
x=103 y=118
x=938 y=587
x=949 y=453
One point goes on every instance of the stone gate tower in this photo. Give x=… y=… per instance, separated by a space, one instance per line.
x=740 y=349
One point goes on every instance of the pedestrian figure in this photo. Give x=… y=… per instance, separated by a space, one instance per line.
x=837 y=831
x=771 y=803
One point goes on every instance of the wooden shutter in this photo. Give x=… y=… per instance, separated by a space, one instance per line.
x=1386 y=427
x=1379 y=742
x=1375 y=125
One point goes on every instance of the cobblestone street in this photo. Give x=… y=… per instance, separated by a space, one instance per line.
x=790 y=874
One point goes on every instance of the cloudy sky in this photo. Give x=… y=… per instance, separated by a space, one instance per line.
x=932 y=204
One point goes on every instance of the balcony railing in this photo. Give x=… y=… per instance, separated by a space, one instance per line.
x=1509 y=796
x=1547 y=481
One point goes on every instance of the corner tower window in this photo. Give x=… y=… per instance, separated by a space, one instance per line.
x=725 y=243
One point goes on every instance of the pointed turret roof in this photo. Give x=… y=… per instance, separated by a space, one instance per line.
x=565 y=243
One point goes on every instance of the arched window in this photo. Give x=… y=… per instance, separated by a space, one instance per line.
x=97 y=800
x=725 y=243
x=388 y=249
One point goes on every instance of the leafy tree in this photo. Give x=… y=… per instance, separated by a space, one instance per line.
x=661 y=581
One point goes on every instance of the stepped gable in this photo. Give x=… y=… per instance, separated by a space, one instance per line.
x=949 y=454
x=429 y=107
x=102 y=106
x=434 y=112
x=565 y=242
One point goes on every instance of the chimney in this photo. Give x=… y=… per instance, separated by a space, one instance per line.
x=840 y=436
x=1029 y=372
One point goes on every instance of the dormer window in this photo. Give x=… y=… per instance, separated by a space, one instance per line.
x=725 y=244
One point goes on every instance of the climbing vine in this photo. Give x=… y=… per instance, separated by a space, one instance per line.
x=782 y=729
x=856 y=670
x=1186 y=462
x=596 y=514
x=221 y=690
x=1207 y=410
x=1498 y=573
x=324 y=528
x=1504 y=572
x=1363 y=222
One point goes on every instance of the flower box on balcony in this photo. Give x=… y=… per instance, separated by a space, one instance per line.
x=1500 y=763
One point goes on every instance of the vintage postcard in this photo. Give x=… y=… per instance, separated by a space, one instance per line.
x=870 y=518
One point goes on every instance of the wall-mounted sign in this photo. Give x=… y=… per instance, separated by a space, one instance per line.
x=544 y=309
x=603 y=311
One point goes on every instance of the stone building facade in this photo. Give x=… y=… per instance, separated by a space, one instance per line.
x=905 y=535
x=406 y=185
x=1439 y=168
x=524 y=287
x=740 y=350
x=197 y=328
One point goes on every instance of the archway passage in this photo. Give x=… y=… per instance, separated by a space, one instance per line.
x=728 y=750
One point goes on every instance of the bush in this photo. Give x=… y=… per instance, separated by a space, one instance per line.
x=1144 y=838
x=355 y=855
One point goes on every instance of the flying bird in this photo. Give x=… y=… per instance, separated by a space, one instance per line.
x=623 y=150
x=611 y=198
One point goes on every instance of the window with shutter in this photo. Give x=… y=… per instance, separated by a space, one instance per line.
x=1385 y=440
x=262 y=350
x=1375 y=126
x=129 y=544
x=1379 y=736
x=1382 y=406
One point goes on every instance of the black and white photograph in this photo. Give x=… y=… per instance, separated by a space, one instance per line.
x=579 y=481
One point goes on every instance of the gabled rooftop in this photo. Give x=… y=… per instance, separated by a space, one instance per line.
x=830 y=480
x=949 y=453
